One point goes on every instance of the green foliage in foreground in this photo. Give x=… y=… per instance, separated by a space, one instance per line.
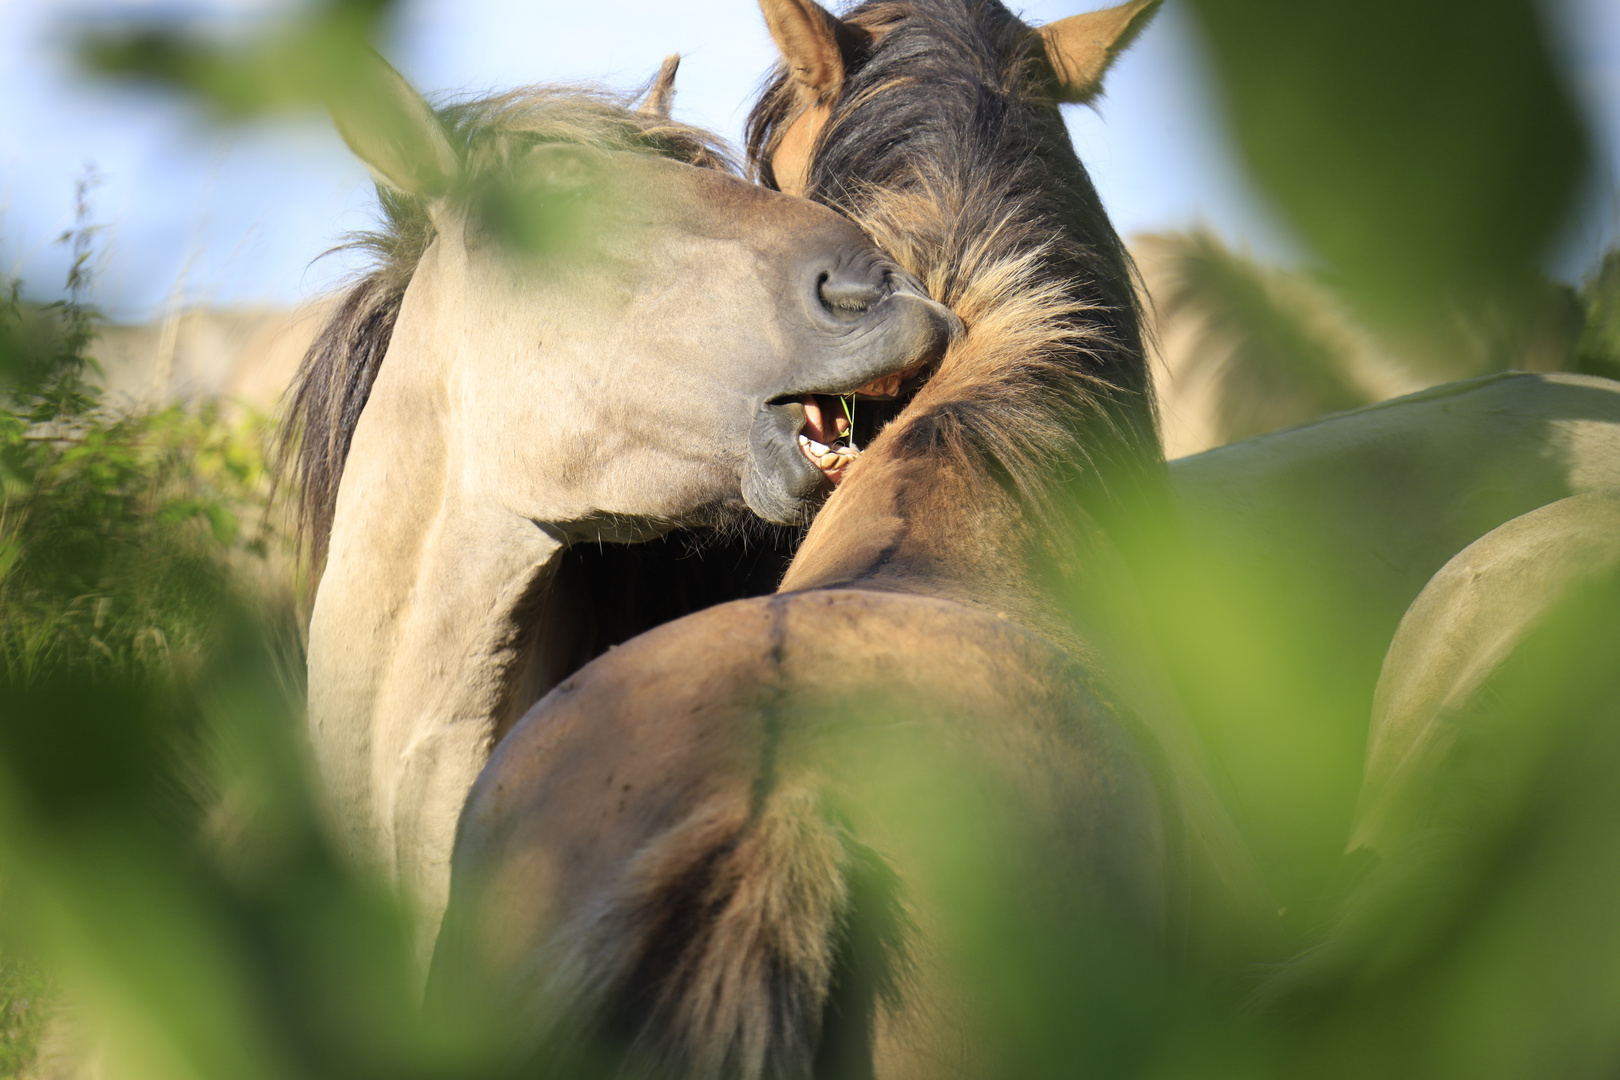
x=122 y=533
x=1427 y=152
x=1598 y=352
x=112 y=530
x=117 y=529
x=163 y=849
x=162 y=846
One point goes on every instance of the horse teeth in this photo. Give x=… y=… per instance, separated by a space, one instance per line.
x=828 y=460
x=888 y=386
x=816 y=448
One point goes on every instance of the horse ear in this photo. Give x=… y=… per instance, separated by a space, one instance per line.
x=391 y=128
x=808 y=35
x=1081 y=48
x=661 y=94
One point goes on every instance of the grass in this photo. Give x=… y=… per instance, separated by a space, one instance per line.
x=25 y=991
x=123 y=536
x=117 y=528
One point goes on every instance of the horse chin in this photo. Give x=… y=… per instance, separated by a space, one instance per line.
x=780 y=482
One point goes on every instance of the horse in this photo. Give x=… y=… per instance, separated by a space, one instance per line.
x=1305 y=548
x=725 y=847
x=583 y=329
x=1479 y=875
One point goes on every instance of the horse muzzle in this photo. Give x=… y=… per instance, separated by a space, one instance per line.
x=870 y=346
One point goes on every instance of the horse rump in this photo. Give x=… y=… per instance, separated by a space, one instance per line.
x=753 y=939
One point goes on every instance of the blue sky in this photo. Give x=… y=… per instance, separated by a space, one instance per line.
x=238 y=215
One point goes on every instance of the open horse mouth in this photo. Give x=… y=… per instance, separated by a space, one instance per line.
x=797 y=447
x=836 y=426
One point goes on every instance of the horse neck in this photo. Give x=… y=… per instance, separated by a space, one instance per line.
x=909 y=526
x=416 y=623
x=922 y=511
x=935 y=525
x=1053 y=348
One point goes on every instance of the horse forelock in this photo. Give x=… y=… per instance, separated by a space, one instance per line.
x=324 y=402
x=946 y=147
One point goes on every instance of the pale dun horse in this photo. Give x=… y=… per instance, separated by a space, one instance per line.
x=574 y=337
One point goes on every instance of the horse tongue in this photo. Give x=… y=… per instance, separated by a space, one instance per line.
x=817 y=424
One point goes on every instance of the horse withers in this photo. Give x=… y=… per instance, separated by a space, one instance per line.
x=583 y=329
x=785 y=836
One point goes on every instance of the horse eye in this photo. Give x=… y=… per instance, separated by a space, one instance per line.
x=847 y=296
x=561 y=169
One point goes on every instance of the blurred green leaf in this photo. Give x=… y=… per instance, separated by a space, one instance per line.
x=163 y=847
x=1483 y=946
x=312 y=60
x=1427 y=151
x=1599 y=349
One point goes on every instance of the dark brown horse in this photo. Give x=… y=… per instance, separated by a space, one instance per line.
x=729 y=847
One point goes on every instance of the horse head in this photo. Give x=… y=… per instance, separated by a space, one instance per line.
x=628 y=337
x=819 y=50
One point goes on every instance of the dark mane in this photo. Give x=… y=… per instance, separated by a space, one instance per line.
x=943 y=148
x=333 y=382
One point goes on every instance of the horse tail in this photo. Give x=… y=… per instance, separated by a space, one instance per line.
x=754 y=939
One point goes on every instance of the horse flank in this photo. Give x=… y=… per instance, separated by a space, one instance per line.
x=984 y=200
x=491 y=133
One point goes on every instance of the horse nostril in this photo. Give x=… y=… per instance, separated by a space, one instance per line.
x=846 y=296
